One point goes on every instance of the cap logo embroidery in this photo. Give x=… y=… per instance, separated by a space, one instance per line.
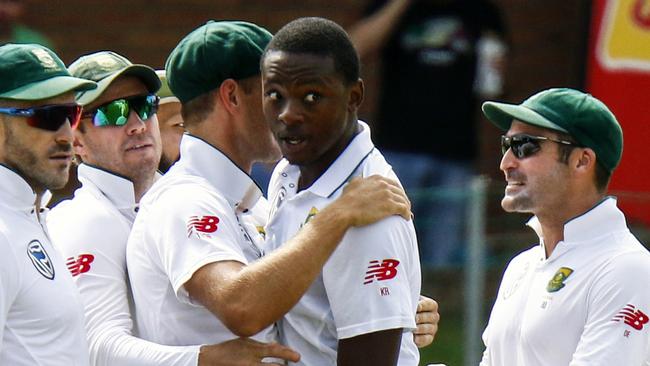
x=45 y=58
x=40 y=259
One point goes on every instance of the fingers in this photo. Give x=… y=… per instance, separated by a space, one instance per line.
x=423 y=340
x=427 y=304
x=276 y=350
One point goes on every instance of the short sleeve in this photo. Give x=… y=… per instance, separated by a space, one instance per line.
x=617 y=330
x=190 y=228
x=373 y=279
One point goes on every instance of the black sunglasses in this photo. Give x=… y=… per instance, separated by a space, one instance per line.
x=524 y=146
x=48 y=117
x=116 y=112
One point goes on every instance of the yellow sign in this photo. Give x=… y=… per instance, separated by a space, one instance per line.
x=624 y=39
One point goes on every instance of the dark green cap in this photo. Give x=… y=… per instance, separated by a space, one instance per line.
x=585 y=118
x=105 y=66
x=34 y=72
x=212 y=53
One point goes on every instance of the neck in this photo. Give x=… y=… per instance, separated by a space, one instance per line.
x=219 y=134
x=310 y=172
x=552 y=223
x=141 y=186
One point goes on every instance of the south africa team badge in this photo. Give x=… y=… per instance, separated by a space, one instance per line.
x=557 y=282
x=40 y=259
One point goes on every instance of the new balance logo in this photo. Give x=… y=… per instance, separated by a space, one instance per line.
x=383 y=271
x=80 y=264
x=632 y=317
x=202 y=225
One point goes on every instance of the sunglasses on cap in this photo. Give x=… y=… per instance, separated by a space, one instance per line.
x=48 y=117
x=523 y=146
x=116 y=112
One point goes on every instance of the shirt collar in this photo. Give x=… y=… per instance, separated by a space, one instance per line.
x=202 y=159
x=343 y=168
x=119 y=190
x=16 y=192
x=601 y=219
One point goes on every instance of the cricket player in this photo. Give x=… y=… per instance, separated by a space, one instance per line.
x=580 y=296
x=360 y=308
x=195 y=255
x=119 y=145
x=41 y=318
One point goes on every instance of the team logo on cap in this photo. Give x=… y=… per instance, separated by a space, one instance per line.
x=381 y=271
x=202 y=226
x=40 y=259
x=632 y=316
x=45 y=58
x=557 y=282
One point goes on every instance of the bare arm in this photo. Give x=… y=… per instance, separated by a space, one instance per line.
x=426 y=319
x=372 y=349
x=249 y=298
x=244 y=351
x=370 y=34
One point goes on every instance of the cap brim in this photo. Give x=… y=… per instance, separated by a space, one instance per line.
x=49 y=88
x=142 y=72
x=502 y=115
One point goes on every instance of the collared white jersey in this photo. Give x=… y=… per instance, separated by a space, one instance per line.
x=41 y=318
x=587 y=304
x=202 y=211
x=372 y=280
x=91 y=231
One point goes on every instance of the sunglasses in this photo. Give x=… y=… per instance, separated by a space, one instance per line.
x=523 y=146
x=48 y=117
x=116 y=112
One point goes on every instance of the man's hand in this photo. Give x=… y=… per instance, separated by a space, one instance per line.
x=426 y=319
x=368 y=200
x=245 y=352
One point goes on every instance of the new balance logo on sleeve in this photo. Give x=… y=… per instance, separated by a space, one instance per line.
x=80 y=264
x=203 y=225
x=632 y=317
x=383 y=271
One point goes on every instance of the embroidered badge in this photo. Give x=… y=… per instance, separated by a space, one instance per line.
x=202 y=225
x=79 y=264
x=40 y=259
x=381 y=271
x=557 y=282
x=632 y=316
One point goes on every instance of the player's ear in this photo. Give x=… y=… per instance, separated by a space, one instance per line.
x=356 y=95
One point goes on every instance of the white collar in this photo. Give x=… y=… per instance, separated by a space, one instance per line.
x=202 y=159
x=17 y=193
x=601 y=219
x=342 y=169
x=118 y=189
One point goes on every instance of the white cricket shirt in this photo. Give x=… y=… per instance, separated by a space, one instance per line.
x=91 y=231
x=587 y=304
x=371 y=282
x=41 y=318
x=204 y=210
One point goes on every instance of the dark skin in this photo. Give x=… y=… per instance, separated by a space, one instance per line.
x=312 y=112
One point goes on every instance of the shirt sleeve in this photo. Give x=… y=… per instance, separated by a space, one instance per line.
x=98 y=266
x=617 y=331
x=373 y=278
x=194 y=229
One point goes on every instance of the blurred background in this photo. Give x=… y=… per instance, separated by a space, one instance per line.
x=509 y=50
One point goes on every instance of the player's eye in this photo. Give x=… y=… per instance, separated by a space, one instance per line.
x=273 y=95
x=312 y=97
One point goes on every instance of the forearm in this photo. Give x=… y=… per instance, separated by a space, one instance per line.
x=118 y=347
x=264 y=291
x=370 y=34
x=372 y=349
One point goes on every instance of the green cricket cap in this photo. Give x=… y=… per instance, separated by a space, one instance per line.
x=212 y=53
x=105 y=66
x=34 y=72
x=165 y=94
x=583 y=117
